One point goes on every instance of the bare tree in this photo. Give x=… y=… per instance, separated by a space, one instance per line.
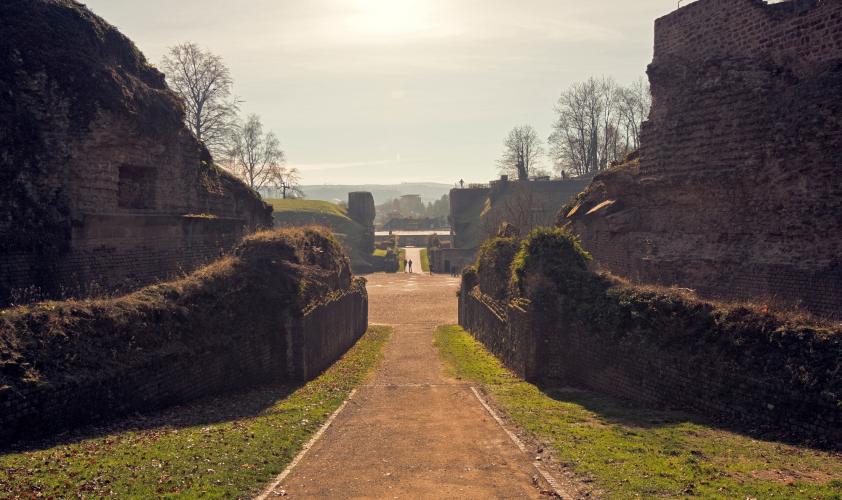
x=633 y=104
x=597 y=123
x=256 y=157
x=204 y=83
x=289 y=182
x=521 y=207
x=522 y=152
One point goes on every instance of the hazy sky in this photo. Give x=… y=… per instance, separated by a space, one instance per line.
x=384 y=91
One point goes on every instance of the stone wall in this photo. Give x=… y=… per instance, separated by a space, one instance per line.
x=447 y=260
x=738 y=193
x=276 y=312
x=737 y=368
x=361 y=210
x=103 y=187
x=477 y=213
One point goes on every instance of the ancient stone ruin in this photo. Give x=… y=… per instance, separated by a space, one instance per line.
x=361 y=210
x=738 y=192
x=103 y=187
x=282 y=308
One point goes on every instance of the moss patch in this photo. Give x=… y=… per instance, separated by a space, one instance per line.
x=632 y=451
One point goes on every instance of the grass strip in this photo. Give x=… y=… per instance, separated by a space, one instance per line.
x=425 y=261
x=226 y=447
x=629 y=451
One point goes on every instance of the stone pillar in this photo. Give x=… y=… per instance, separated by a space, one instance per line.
x=361 y=210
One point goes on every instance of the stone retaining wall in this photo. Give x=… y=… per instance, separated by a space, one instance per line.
x=782 y=384
x=282 y=310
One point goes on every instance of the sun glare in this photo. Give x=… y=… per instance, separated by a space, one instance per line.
x=388 y=18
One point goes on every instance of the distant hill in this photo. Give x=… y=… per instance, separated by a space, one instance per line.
x=429 y=191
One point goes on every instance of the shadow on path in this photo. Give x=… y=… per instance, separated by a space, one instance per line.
x=209 y=411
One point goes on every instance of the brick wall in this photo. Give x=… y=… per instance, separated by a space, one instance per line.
x=738 y=191
x=241 y=323
x=779 y=386
x=796 y=33
x=96 y=150
x=504 y=329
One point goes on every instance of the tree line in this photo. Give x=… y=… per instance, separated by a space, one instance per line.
x=212 y=112
x=597 y=122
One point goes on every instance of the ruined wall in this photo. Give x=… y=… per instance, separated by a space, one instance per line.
x=477 y=213
x=774 y=378
x=738 y=192
x=466 y=206
x=447 y=260
x=361 y=210
x=277 y=311
x=101 y=182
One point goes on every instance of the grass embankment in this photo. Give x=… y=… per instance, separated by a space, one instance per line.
x=226 y=447
x=296 y=213
x=315 y=207
x=425 y=261
x=629 y=451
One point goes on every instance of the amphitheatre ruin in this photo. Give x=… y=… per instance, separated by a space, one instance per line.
x=667 y=325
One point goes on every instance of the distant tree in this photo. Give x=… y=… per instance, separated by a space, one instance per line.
x=204 y=83
x=256 y=157
x=289 y=182
x=633 y=104
x=521 y=208
x=522 y=151
x=597 y=122
x=439 y=208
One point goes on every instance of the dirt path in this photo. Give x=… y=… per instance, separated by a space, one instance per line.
x=411 y=432
x=414 y=254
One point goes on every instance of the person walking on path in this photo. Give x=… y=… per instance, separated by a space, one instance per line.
x=409 y=262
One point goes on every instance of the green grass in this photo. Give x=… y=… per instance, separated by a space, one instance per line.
x=228 y=447
x=628 y=451
x=425 y=261
x=308 y=206
x=296 y=213
x=402 y=260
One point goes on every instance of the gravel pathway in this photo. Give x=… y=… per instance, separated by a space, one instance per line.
x=412 y=432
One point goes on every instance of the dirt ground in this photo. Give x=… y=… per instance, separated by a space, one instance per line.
x=411 y=432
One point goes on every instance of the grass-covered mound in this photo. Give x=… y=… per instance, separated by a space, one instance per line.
x=298 y=213
x=773 y=375
x=223 y=447
x=230 y=325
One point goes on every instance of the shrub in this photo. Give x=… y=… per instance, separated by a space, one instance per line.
x=494 y=266
x=551 y=257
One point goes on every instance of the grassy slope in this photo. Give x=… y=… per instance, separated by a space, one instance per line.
x=315 y=207
x=308 y=212
x=222 y=448
x=630 y=451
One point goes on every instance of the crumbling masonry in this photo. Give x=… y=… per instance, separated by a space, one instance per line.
x=739 y=190
x=102 y=188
